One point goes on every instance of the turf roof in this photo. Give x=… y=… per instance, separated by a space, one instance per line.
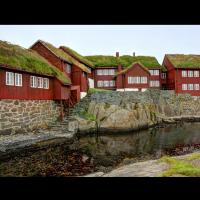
x=64 y=56
x=29 y=61
x=77 y=56
x=125 y=61
x=184 y=61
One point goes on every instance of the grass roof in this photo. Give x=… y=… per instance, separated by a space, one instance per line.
x=184 y=61
x=64 y=56
x=125 y=61
x=29 y=61
x=77 y=56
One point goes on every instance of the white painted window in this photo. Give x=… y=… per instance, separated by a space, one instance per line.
x=184 y=86
x=105 y=72
x=163 y=75
x=154 y=83
x=39 y=82
x=9 y=78
x=112 y=83
x=106 y=83
x=68 y=68
x=151 y=72
x=99 y=72
x=196 y=73
x=33 y=81
x=156 y=72
x=111 y=72
x=190 y=73
x=99 y=83
x=143 y=79
x=184 y=73
x=18 y=79
x=196 y=86
x=190 y=86
x=46 y=83
x=138 y=79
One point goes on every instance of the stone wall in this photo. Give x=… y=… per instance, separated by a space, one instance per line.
x=17 y=116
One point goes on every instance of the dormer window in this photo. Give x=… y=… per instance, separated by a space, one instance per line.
x=68 y=68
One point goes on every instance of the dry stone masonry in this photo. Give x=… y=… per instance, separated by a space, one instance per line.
x=26 y=115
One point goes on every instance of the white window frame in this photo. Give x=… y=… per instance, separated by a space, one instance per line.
x=18 y=80
x=196 y=73
x=184 y=73
x=106 y=83
x=10 y=78
x=143 y=79
x=99 y=72
x=184 y=86
x=33 y=81
x=112 y=83
x=196 y=86
x=68 y=68
x=163 y=75
x=39 y=82
x=46 y=83
x=156 y=72
x=99 y=83
x=190 y=87
x=190 y=73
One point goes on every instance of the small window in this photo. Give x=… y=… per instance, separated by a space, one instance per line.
x=99 y=72
x=184 y=86
x=33 y=81
x=18 y=79
x=144 y=79
x=105 y=72
x=184 y=73
x=154 y=83
x=99 y=83
x=151 y=72
x=106 y=83
x=163 y=75
x=196 y=73
x=40 y=82
x=196 y=86
x=10 y=78
x=46 y=83
x=156 y=72
x=112 y=83
x=68 y=68
x=190 y=86
x=190 y=73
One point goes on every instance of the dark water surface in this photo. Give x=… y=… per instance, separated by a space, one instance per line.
x=105 y=152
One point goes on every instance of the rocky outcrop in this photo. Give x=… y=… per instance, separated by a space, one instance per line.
x=128 y=111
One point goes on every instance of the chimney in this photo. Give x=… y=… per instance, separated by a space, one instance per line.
x=133 y=54
x=117 y=54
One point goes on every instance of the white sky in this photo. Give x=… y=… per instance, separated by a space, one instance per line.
x=152 y=40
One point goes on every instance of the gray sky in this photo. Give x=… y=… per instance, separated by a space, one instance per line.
x=152 y=40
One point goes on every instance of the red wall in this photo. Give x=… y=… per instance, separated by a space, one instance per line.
x=24 y=92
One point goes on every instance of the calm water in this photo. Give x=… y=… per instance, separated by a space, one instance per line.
x=154 y=141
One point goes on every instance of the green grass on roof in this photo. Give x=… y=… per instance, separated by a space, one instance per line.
x=78 y=56
x=125 y=61
x=28 y=60
x=184 y=61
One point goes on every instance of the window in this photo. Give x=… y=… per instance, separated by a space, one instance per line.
x=18 y=79
x=99 y=72
x=9 y=78
x=105 y=71
x=106 y=83
x=39 y=82
x=151 y=72
x=99 y=83
x=163 y=75
x=84 y=74
x=46 y=83
x=156 y=72
x=112 y=83
x=144 y=79
x=196 y=73
x=184 y=86
x=68 y=68
x=196 y=86
x=184 y=73
x=33 y=81
x=190 y=73
x=111 y=72
x=154 y=83
x=190 y=86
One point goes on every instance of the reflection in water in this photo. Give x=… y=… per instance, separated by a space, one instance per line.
x=152 y=141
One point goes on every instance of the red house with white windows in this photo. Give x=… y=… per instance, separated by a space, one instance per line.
x=127 y=73
x=77 y=72
x=26 y=75
x=183 y=73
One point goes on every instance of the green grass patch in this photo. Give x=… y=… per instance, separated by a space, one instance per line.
x=88 y=116
x=179 y=167
x=194 y=156
x=95 y=90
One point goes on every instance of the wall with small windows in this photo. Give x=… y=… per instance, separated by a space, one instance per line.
x=20 y=85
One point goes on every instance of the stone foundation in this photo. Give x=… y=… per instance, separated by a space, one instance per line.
x=17 y=116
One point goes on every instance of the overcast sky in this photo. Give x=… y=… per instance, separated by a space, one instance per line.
x=152 y=40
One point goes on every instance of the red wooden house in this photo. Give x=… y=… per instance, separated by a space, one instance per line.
x=129 y=73
x=183 y=73
x=76 y=71
x=26 y=75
